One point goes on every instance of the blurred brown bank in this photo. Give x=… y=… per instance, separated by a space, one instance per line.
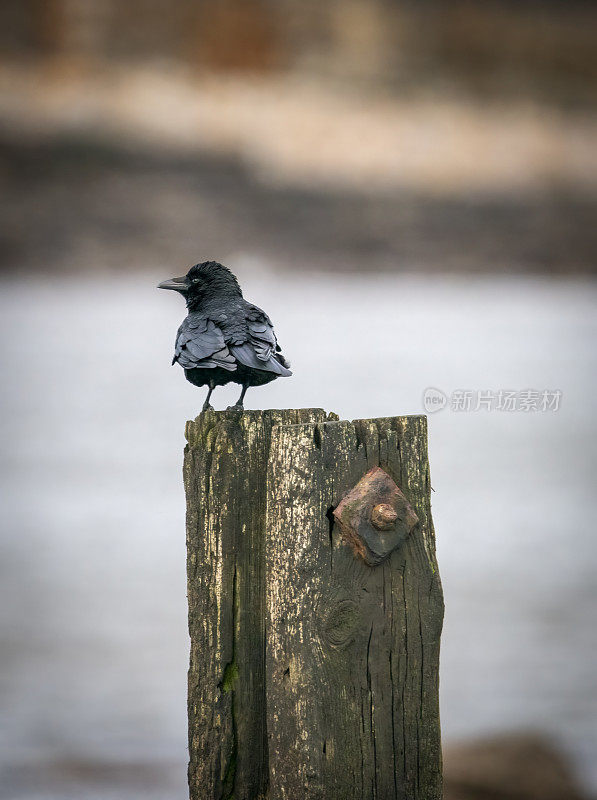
x=332 y=135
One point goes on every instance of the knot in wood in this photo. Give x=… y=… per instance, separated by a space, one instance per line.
x=341 y=623
x=383 y=516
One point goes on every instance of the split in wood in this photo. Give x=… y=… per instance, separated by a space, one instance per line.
x=312 y=675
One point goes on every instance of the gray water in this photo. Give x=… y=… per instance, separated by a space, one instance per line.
x=93 y=616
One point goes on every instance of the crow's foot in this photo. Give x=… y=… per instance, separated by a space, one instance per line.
x=207 y=407
x=236 y=407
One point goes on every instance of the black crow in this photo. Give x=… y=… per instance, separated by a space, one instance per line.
x=224 y=338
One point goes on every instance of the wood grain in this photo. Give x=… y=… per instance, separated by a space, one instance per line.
x=225 y=468
x=353 y=651
x=312 y=675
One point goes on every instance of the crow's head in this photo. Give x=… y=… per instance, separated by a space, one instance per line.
x=205 y=280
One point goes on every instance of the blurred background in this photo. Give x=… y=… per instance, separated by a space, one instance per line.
x=410 y=190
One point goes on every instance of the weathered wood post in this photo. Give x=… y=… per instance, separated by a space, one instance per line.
x=315 y=608
x=225 y=472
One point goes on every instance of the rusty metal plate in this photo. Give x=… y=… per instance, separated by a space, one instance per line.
x=375 y=517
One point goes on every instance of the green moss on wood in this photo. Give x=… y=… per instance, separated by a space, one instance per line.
x=230 y=678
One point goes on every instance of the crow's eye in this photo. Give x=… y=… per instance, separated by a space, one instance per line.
x=195 y=280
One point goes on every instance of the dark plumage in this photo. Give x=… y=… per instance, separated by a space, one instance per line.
x=224 y=338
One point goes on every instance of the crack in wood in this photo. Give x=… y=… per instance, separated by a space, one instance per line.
x=330 y=666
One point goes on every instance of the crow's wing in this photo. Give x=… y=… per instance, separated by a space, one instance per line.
x=260 y=348
x=200 y=344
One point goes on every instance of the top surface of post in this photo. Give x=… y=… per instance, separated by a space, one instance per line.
x=244 y=418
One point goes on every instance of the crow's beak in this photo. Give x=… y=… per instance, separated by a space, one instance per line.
x=177 y=284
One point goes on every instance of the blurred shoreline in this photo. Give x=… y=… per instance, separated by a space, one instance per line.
x=299 y=130
x=134 y=169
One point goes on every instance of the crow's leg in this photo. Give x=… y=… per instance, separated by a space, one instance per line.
x=239 y=402
x=206 y=405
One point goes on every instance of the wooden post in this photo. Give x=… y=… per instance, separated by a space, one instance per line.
x=225 y=471
x=313 y=674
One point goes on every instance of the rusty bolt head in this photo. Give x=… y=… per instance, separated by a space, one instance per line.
x=375 y=517
x=383 y=517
